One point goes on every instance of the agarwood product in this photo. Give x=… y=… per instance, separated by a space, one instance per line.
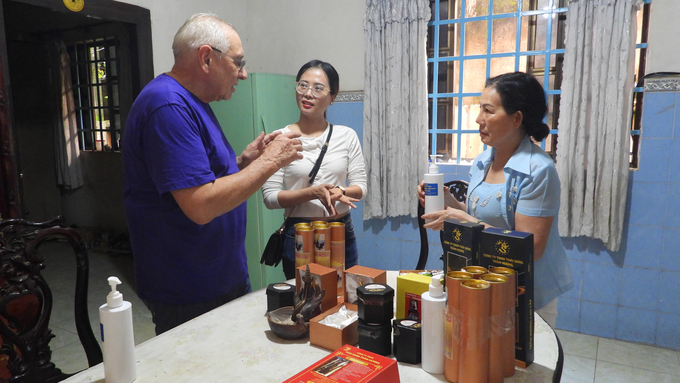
x=460 y=242
x=322 y=245
x=452 y=325
x=510 y=319
x=475 y=299
x=304 y=245
x=338 y=253
x=476 y=271
x=515 y=249
x=499 y=295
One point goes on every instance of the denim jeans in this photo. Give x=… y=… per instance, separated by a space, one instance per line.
x=351 y=250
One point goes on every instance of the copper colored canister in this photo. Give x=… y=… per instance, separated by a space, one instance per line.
x=304 y=246
x=476 y=271
x=452 y=325
x=322 y=245
x=508 y=338
x=338 y=253
x=499 y=296
x=475 y=306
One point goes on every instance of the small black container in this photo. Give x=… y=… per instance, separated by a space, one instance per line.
x=407 y=341
x=280 y=295
x=375 y=338
x=376 y=303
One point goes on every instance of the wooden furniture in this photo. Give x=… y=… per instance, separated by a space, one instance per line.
x=233 y=343
x=26 y=301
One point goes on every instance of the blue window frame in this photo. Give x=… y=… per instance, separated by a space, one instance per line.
x=471 y=40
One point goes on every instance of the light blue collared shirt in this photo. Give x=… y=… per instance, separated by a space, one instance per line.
x=531 y=188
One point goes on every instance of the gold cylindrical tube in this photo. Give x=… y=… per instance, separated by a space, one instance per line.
x=453 y=322
x=475 y=299
x=499 y=296
x=338 y=253
x=476 y=271
x=304 y=246
x=302 y=224
x=322 y=245
x=316 y=223
x=510 y=317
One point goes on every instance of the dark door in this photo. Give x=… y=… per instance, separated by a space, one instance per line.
x=24 y=22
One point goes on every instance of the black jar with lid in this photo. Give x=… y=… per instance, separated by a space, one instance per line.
x=375 y=338
x=280 y=295
x=376 y=303
x=407 y=341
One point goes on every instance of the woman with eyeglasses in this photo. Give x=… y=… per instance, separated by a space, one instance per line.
x=341 y=177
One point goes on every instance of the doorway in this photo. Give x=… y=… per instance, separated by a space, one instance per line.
x=29 y=101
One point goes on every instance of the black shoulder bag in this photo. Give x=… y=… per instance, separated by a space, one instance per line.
x=273 y=252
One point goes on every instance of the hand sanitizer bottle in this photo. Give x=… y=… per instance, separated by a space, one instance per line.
x=433 y=303
x=434 y=188
x=118 y=343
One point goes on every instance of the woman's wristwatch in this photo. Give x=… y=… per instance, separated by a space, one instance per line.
x=342 y=189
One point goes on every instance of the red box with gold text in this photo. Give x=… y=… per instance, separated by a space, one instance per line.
x=349 y=364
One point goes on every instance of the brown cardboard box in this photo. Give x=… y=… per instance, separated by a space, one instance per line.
x=332 y=338
x=349 y=364
x=367 y=275
x=326 y=277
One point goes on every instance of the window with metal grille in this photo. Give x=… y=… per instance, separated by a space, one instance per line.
x=471 y=40
x=94 y=72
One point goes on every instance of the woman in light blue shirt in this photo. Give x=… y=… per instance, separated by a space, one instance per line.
x=514 y=184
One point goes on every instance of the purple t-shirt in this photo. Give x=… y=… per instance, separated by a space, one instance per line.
x=172 y=140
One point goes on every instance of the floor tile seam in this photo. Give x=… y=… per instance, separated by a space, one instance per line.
x=655 y=347
x=637 y=368
x=579 y=355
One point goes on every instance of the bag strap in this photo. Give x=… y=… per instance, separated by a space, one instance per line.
x=317 y=165
x=312 y=174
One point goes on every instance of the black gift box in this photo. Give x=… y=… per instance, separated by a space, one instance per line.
x=461 y=240
x=515 y=249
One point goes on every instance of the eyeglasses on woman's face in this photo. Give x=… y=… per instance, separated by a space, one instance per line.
x=318 y=90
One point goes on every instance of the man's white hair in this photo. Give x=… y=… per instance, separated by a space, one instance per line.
x=201 y=29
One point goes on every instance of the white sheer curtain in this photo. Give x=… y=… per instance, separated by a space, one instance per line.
x=594 y=123
x=69 y=171
x=395 y=105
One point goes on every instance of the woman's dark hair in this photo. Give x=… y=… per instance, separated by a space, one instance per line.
x=519 y=91
x=331 y=73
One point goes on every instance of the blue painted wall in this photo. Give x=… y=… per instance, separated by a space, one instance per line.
x=632 y=294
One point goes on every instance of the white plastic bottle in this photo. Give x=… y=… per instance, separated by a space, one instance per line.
x=118 y=342
x=434 y=188
x=432 y=319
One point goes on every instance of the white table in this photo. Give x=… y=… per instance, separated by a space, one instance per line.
x=233 y=343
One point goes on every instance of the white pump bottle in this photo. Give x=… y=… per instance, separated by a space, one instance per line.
x=433 y=188
x=432 y=319
x=117 y=336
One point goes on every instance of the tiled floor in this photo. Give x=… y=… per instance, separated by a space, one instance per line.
x=59 y=272
x=588 y=359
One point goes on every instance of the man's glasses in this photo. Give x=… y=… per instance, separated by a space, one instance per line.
x=239 y=63
x=318 y=90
